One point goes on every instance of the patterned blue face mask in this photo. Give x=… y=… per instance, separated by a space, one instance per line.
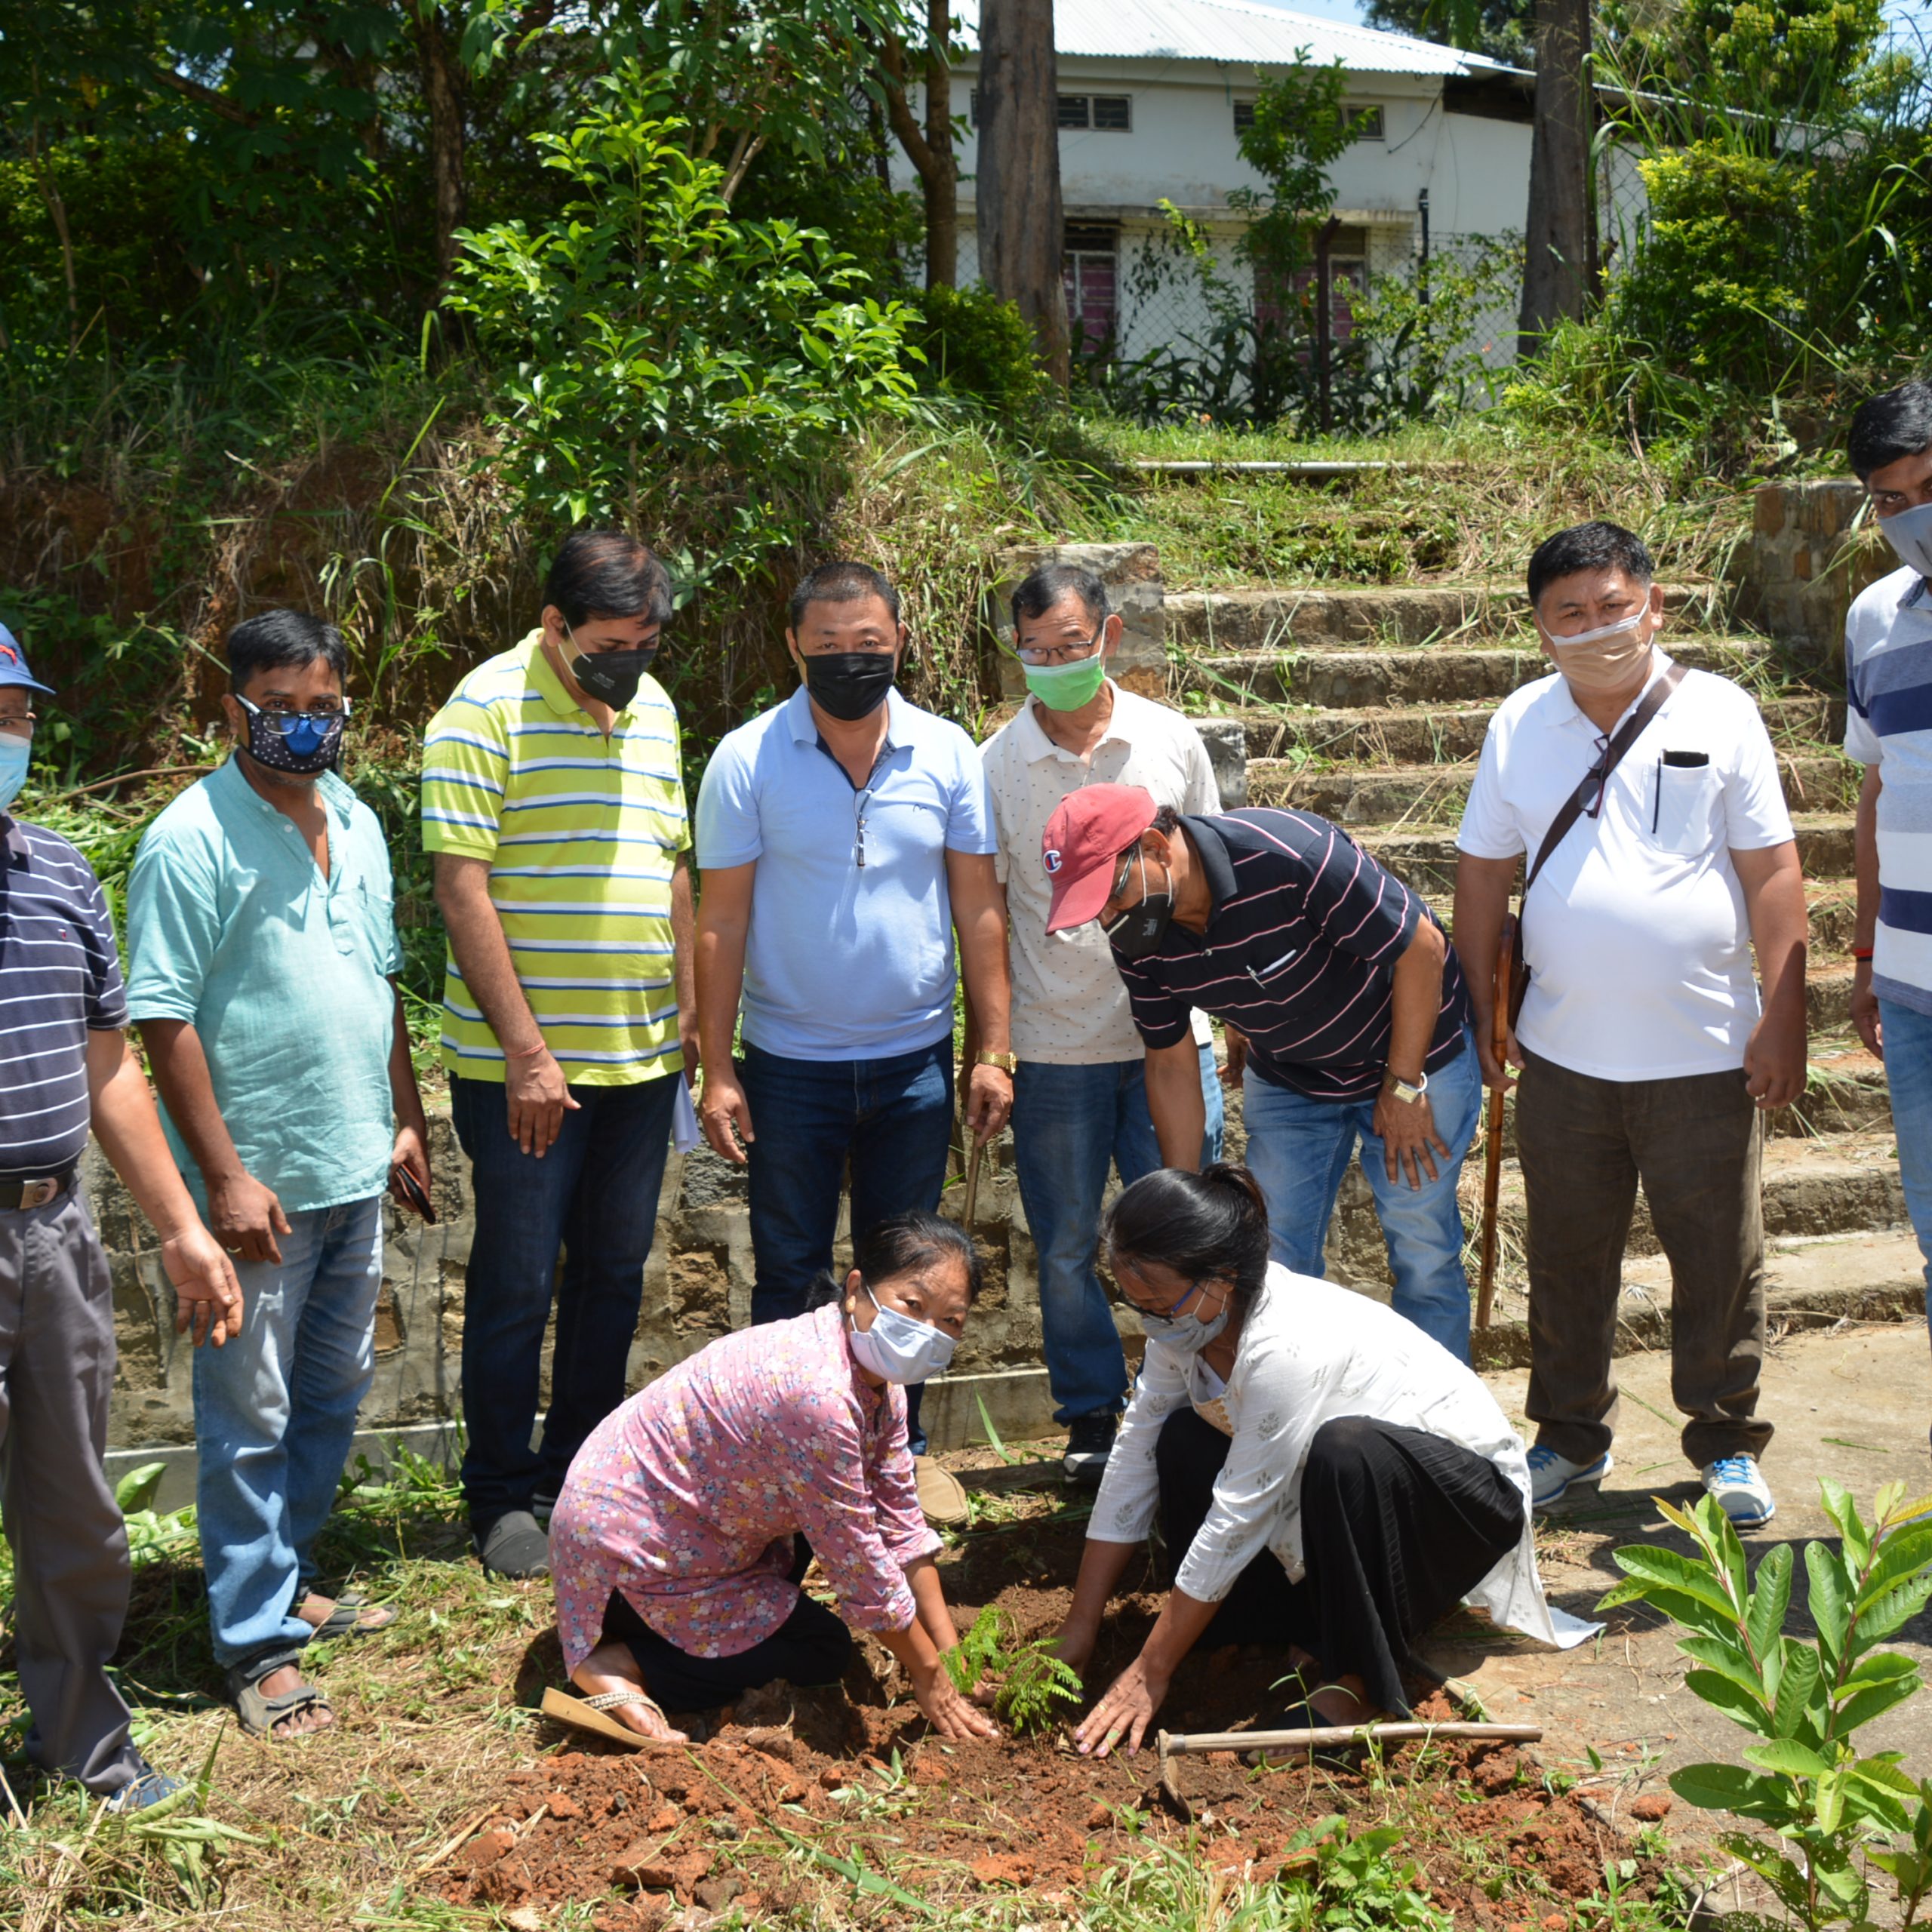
x=300 y=742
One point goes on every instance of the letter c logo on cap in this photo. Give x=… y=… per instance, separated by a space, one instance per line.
x=1051 y=860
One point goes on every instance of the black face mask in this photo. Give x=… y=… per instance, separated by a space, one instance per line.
x=612 y=676
x=1140 y=929
x=851 y=685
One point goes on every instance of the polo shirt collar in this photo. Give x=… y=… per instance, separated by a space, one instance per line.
x=19 y=853
x=1565 y=706
x=804 y=727
x=550 y=687
x=1035 y=745
x=1211 y=849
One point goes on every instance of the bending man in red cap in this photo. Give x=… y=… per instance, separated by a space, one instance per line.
x=1346 y=990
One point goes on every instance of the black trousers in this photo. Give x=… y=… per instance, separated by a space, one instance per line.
x=1398 y=1525
x=811 y=1647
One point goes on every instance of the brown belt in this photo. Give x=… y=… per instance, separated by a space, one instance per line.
x=36 y=1192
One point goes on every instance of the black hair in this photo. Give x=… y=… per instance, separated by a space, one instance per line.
x=1209 y=1225
x=608 y=574
x=1051 y=584
x=904 y=1244
x=278 y=638
x=841 y=584
x=1589 y=547
x=1897 y=423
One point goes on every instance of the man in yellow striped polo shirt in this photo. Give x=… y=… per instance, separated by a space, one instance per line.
x=553 y=800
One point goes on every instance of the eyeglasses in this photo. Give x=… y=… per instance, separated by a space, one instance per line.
x=1061 y=653
x=284 y=724
x=18 y=725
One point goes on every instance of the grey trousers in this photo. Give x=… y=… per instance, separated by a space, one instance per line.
x=1697 y=1144
x=69 y=1543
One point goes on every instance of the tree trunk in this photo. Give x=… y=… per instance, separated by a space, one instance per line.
x=930 y=150
x=1556 y=261
x=442 y=92
x=1021 y=231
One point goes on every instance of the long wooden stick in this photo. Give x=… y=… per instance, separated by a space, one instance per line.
x=1492 y=1161
x=1174 y=1742
x=979 y=1147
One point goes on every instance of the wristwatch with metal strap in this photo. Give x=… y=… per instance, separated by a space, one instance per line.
x=1006 y=1062
x=1403 y=1091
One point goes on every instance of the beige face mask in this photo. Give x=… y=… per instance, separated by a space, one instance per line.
x=1605 y=659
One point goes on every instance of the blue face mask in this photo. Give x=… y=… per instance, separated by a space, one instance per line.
x=899 y=1349
x=14 y=752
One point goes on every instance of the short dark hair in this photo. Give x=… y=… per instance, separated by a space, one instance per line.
x=841 y=584
x=1211 y=1225
x=1897 y=423
x=608 y=574
x=1589 y=547
x=1051 y=584
x=279 y=637
x=904 y=1244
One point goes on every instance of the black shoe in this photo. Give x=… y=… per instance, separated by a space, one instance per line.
x=1090 y=1441
x=515 y=1546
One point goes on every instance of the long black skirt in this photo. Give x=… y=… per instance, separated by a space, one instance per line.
x=1398 y=1526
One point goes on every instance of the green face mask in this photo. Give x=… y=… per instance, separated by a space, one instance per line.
x=1067 y=687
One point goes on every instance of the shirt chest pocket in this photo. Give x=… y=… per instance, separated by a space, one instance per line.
x=1684 y=793
x=356 y=919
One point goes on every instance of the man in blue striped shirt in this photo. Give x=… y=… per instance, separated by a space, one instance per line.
x=1345 y=990
x=64 y=1066
x=1888 y=729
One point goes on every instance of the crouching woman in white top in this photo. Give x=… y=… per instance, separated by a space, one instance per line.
x=1328 y=1478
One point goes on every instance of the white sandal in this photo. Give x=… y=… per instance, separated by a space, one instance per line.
x=587 y=1714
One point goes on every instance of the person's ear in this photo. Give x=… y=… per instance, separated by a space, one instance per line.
x=238 y=719
x=1110 y=634
x=1154 y=844
x=854 y=1282
x=1655 y=601
x=792 y=645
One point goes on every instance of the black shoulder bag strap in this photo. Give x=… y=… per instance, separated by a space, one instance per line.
x=1594 y=783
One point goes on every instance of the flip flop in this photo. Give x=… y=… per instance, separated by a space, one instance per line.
x=347 y=1619
x=587 y=1714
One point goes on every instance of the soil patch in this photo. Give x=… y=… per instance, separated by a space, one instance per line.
x=764 y=1816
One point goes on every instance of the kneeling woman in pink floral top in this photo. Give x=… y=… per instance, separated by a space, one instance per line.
x=691 y=1513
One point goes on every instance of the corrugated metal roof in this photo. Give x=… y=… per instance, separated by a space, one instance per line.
x=1235 y=33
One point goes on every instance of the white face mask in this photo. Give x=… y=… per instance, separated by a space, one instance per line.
x=1187 y=1332
x=897 y=1348
x=1910 y=535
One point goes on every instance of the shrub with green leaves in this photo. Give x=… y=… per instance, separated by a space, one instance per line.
x=1837 y=1812
x=1033 y=1677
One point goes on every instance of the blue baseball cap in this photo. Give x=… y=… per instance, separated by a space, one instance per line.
x=13 y=664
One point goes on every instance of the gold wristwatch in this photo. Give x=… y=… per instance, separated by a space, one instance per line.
x=1006 y=1062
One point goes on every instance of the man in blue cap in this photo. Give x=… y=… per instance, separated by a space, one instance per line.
x=64 y=1065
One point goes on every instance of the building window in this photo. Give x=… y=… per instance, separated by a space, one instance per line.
x=1367 y=126
x=1108 y=113
x=1089 y=269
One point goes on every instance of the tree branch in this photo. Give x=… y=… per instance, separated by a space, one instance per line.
x=216 y=103
x=899 y=109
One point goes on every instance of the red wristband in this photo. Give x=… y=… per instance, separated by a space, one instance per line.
x=1861 y=952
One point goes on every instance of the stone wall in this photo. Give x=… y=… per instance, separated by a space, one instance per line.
x=1804 y=563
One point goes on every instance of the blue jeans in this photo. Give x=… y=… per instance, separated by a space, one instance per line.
x=594 y=1195
x=275 y=1412
x=892 y=1117
x=1906 y=1035
x=1299 y=1150
x=1070 y=1124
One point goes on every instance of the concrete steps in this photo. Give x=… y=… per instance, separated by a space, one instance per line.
x=1356 y=794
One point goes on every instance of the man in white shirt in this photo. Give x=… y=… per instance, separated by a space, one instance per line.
x=1888 y=729
x=1644 y=1052
x=1080 y=1091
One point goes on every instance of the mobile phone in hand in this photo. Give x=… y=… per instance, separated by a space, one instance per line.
x=413 y=1190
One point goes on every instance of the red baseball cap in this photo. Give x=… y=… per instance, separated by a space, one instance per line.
x=1081 y=846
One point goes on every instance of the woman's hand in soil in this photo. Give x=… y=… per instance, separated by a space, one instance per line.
x=1124 y=1713
x=1073 y=1644
x=946 y=1711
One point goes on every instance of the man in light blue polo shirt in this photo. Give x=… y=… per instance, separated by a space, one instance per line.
x=262 y=952
x=843 y=839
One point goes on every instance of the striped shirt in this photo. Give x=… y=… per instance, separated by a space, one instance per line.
x=60 y=980
x=1888 y=723
x=1303 y=932
x=581 y=833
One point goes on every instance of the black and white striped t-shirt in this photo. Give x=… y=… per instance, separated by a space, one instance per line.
x=1300 y=953
x=58 y=981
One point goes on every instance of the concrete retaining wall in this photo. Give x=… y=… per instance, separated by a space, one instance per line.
x=1805 y=564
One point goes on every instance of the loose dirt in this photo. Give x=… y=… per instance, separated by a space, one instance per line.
x=754 y=1815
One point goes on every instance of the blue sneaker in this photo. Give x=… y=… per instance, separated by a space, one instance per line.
x=1552 y=1476
x=148 y=1786
x=1741 y=1492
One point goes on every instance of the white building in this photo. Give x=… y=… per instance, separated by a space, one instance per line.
x=1152 y=96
